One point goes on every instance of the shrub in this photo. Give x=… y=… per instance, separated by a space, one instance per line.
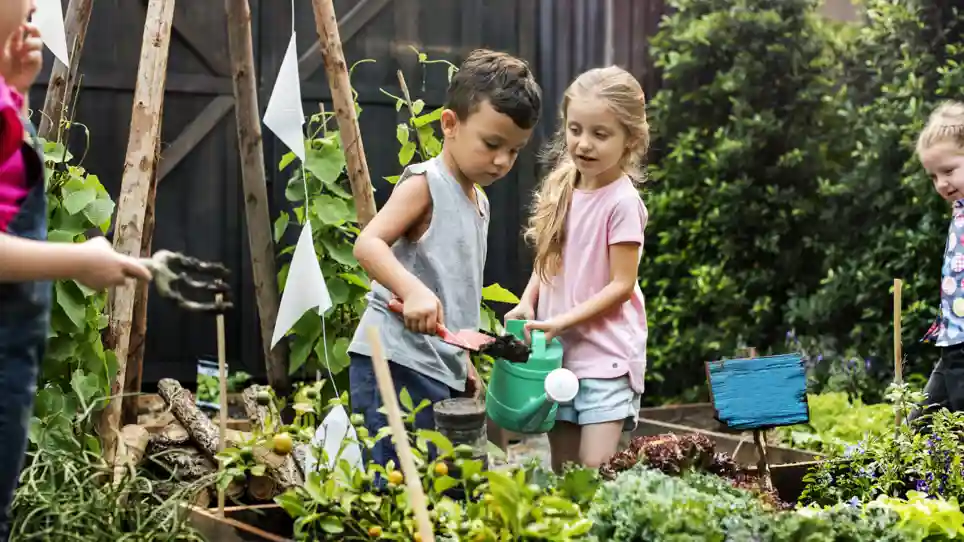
x=906 y=58
x=743 y=142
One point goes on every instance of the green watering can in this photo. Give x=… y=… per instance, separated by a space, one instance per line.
x=524 y=397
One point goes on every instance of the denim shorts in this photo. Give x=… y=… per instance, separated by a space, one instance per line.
x=602 y=400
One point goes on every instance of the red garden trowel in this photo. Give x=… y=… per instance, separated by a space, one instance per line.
x=506 y=347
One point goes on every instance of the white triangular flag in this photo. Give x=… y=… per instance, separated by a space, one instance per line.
x=334 y=430
x=284 y=115
x=49 y=18
x=305 y=288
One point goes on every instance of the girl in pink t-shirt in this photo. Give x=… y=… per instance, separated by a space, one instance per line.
x=587 y=228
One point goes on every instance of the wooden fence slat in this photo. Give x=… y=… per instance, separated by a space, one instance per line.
x=351 y=23
x=60 y=86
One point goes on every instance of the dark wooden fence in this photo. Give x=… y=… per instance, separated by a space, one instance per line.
x=199 y=205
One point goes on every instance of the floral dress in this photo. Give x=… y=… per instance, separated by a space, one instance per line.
x=948 y=328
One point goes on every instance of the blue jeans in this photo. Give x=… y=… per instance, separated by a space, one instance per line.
x=365 y=400
x=24 y=320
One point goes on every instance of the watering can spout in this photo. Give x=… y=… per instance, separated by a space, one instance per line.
x=561 y=386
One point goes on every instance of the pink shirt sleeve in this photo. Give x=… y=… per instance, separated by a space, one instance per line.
x=627 y=222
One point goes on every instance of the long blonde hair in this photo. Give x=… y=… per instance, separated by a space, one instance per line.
x=547 y=220
x=946 y=124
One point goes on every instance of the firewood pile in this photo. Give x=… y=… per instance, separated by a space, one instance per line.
x=179 y=442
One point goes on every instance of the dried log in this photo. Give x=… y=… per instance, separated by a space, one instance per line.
x=198 y=496
x=198 y=425
x=262 y=488
x=185 y=462
x=286 y=474
x=131 y=448
x=173 y=434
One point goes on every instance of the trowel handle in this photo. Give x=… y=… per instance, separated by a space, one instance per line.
x=396 y=306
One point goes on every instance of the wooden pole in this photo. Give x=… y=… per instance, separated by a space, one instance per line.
x=387 y=390
x=344 y=103
x=223 y=400
x=63 y=78
x=260 y=242
x=135 y=365
x=760 y=442
x=898 y=354
x=139 y=165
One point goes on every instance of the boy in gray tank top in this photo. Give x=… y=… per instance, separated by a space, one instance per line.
x=427 y=244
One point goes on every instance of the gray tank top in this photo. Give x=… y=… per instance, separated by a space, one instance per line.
x=449 y=259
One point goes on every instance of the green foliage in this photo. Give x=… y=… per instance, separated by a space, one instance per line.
x=76 y=372
x=63 y=496
x=645 y=504
x=743 y=143
x=926 y=517
x=895 y=462
x=905 y=59
x=343 y=502
x=836 y=422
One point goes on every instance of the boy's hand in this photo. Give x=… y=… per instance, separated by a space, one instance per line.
x=473 y=382
x=423 y=311
x=22 y=57
x=522 y=311
x=101 y=266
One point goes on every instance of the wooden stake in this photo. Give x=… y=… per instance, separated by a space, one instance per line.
x=760 y=442
x=256 y=210
x=898 y=354
x=341 y=97
x=387 y=390
x=223 y=396
x=139 y=165
x=60 y=87
x=135 y=365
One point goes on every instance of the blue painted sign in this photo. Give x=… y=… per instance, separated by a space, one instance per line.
x=758 y=393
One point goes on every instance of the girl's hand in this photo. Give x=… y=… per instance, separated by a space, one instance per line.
x=551 y=329
x=522 y=311
x=22 y=57
x=100 y=266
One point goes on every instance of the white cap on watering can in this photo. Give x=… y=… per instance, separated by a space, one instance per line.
x=562 y=385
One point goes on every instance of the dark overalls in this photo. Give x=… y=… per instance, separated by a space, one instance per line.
x=24 y=319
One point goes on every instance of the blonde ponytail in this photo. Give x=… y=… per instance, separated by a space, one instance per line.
x=546 y=230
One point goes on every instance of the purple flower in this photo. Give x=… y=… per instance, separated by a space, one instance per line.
x=854 y=502
x=921 y=486
x=867 y=364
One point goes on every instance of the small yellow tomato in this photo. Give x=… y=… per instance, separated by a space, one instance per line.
x=395 y=477
x=441 y=469
x=282 y=443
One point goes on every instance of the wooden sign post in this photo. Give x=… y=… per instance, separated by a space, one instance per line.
x=341 y=96
x=759 y=393
x=136 y=191
x=253 y=176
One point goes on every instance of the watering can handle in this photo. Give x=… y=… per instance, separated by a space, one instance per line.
x=538 y=343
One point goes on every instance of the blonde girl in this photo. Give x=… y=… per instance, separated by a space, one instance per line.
x=940 y=148
x=586 y=227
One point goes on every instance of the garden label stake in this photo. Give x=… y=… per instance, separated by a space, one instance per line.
x=223 y=400
x=139 y=166
x=387 y=390
x=759 y=393
x=256 y=209
x=329 y=41
x=898 y=354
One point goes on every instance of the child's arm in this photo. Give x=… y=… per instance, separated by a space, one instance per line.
x=624 y=264
x=405 y=209
x=526 y=309
x=93 y=263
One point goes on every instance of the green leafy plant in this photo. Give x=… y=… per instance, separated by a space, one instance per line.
x=66 y=495
x=345 y=503
x=209 y=387
x=836 y=423
x=76 y=372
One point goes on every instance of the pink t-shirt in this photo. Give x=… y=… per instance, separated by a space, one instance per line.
x=13 y=178
x=613 y=344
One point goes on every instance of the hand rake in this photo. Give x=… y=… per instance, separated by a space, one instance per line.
x=173 y=272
